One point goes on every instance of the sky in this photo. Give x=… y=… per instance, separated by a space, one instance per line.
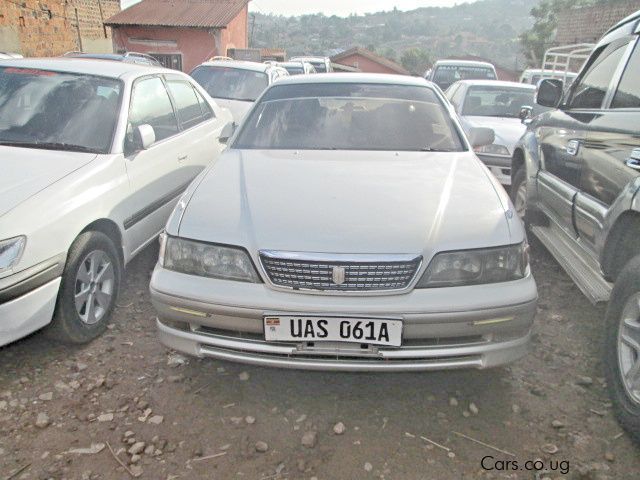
x=334 y=7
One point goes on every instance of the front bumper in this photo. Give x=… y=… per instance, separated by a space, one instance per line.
x=499 y=166
x=30 y=312
x=28 y=298
x=465 y=327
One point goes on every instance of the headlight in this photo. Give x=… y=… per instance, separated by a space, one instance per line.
x=206 y=260
x=11 y=251
x=473 y=267
x=493 y=149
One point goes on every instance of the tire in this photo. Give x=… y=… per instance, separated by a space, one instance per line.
x=623 y=313
x=518 y=198
x=92 y=256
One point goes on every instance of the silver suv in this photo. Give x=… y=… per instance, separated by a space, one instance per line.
x=576 y=179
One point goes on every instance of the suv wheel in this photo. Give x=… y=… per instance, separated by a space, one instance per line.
x=622 y=348
x=89 y=289
x=519 y=193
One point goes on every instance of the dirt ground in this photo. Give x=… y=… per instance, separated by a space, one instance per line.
x=64 y=410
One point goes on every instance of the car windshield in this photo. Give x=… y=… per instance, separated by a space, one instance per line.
x=445 y=75
x=294 y=70
x=231 y=83
x=335 y=116
x=489 y=101
x=320 y=67
x=57 y=110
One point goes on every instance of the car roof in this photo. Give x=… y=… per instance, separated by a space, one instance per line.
x=310 y=59
x=241 y=64
x=467 y=63
x=380 y=78
x=86 y=66
x=291 y=63
x=496 y=83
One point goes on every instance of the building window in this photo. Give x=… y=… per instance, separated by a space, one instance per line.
x=169 y=60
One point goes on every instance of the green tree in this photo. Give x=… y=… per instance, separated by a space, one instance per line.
x=416 y=60
x=539 y=38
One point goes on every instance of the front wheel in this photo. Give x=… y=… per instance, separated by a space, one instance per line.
x=519 y=193
x=89 y=289
x=622 y=348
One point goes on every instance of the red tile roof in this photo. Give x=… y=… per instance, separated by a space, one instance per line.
x=180 y=13
x=371 y=56
x=588 y=24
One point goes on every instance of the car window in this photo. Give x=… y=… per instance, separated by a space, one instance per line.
x=187 y=104
x=350 y=117
x=445 y=75
x=628 y=93
x=593 y=87
x=231 y=83
x=58 y=110
x=150 y=105
x=498 y=101
x=457 y=97
x=207 y=111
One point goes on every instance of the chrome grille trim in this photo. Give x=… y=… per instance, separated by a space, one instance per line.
x=363 y=273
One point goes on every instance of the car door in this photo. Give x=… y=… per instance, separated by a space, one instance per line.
x=154 y=182
x=200 y=128
x=562 y=134
x=611 y=151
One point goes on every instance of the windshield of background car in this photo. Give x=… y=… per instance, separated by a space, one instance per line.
x=46 y=109
x=337 y=116
x=231 y=83
x=320 y=67
x=295 y=70
x=445 y=75
x=487 y=101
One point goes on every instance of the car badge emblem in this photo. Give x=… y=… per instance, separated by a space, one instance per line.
x=338 y=275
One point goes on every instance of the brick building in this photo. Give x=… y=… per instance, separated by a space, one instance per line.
x=588 y=24
x=49 y=28
x=181 y=34
x=365 y=61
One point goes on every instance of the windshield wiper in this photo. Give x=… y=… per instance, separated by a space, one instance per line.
x=70 y=147
x=431 y=149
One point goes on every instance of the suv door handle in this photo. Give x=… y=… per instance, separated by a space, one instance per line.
x=572 y=147
x=182 y=158
x=634 y=159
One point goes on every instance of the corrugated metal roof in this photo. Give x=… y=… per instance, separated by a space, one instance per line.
x=180 y=13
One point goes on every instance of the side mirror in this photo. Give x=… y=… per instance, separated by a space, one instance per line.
x=144 y=136
x=549 y=92
x=525 y=113
x=227 y=132
x=480 y=136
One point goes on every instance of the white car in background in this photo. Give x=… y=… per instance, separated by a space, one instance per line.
x=349 y=226
x=298 y=68
x=496 y=105
x=321 y=64
x=236 y=84
x=94 y=157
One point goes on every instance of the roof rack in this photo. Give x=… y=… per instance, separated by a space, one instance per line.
x=220 y=57
x=560 y=61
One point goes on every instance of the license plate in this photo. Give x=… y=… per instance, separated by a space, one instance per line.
x=332 y=329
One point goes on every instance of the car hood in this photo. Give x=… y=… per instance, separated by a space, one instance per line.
x=237 y=108
x=347 y=202
x=508 y=130
x=26 y=171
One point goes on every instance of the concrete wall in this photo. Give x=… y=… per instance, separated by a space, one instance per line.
x=35 y=28
x=365 y=64
x=236 y=35
x=196 y=45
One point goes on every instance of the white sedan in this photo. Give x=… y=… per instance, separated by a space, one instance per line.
x=94 y=157
x=349 y=226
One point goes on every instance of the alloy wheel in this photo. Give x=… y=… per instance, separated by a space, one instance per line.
x=629 y=347
x=94 y=287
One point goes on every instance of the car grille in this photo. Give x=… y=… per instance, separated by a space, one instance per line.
x=359 y=276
